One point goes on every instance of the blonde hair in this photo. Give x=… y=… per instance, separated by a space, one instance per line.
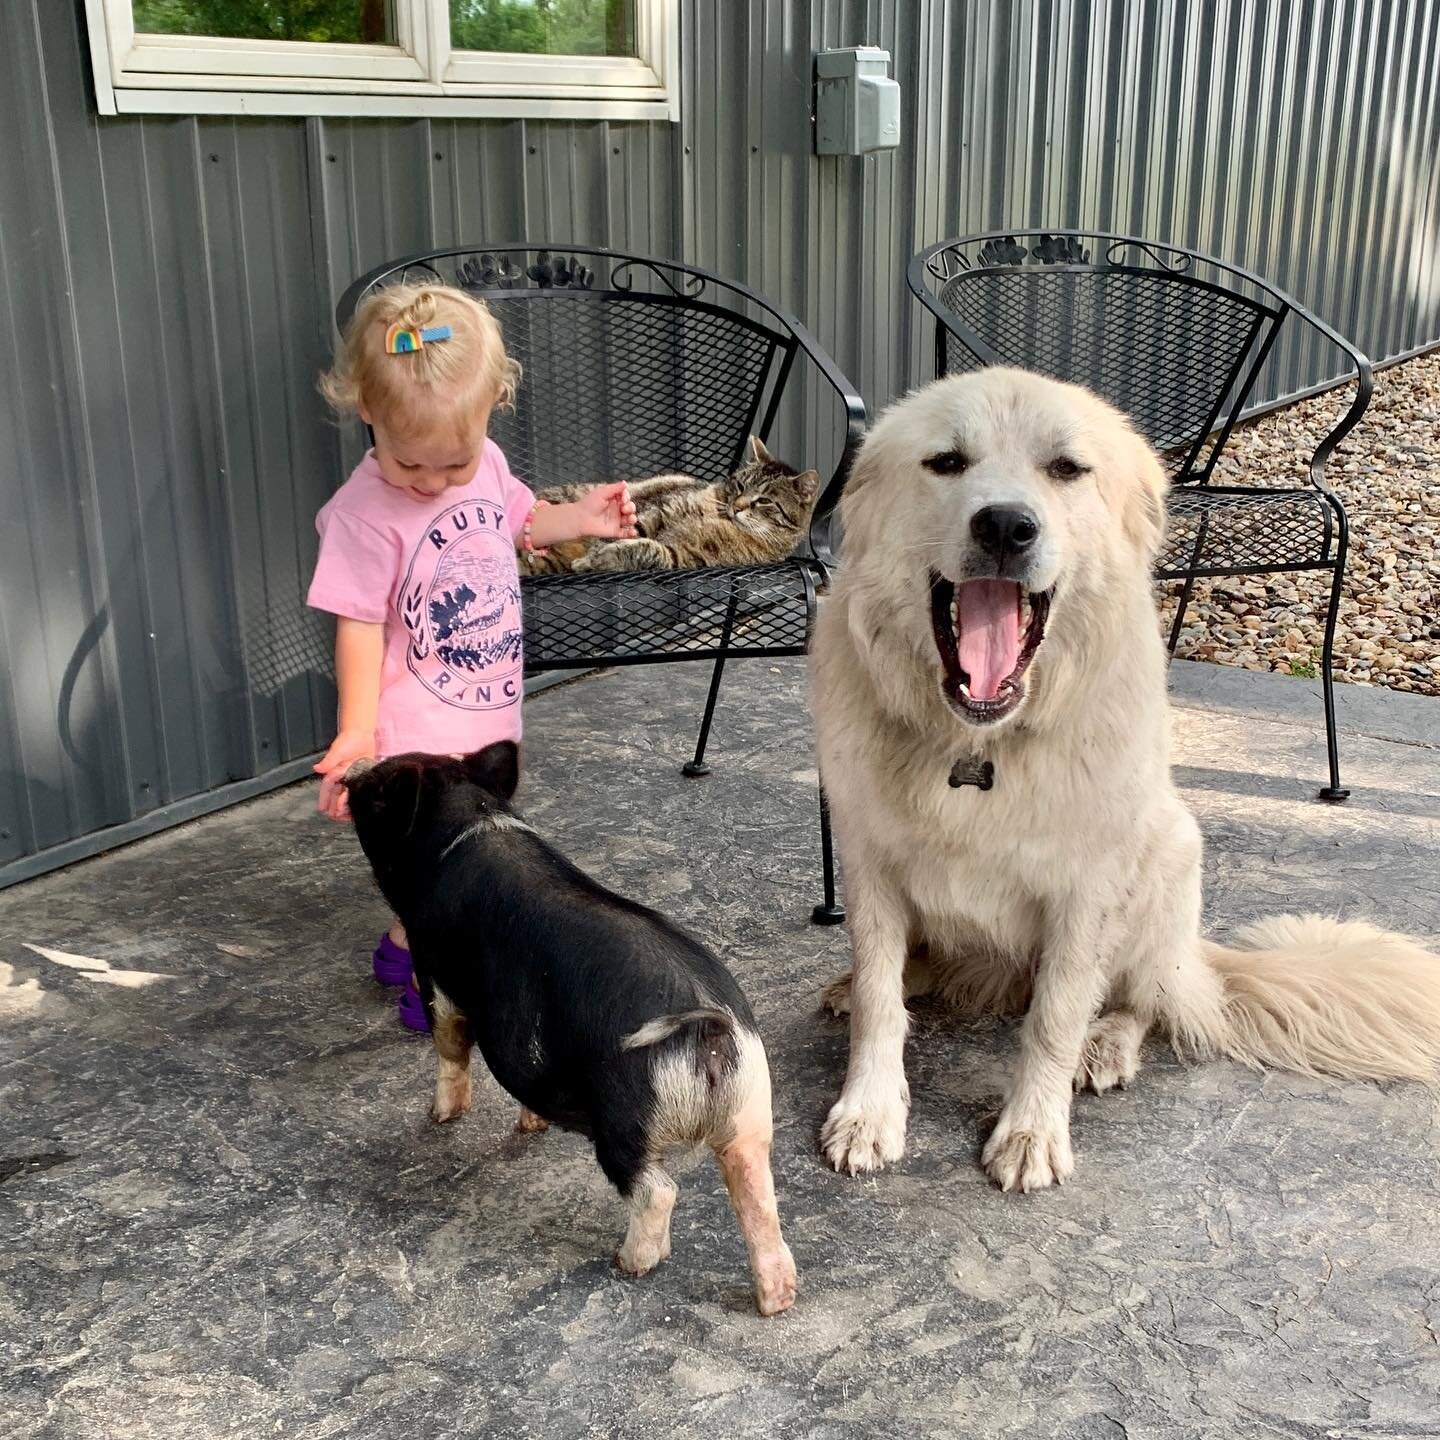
x=437 y=387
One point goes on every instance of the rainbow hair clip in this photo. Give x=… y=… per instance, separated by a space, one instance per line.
x=406 y=339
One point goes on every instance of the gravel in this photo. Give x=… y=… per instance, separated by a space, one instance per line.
x=1388 y=474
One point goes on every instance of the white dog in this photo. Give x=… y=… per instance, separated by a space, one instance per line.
x=994 y=626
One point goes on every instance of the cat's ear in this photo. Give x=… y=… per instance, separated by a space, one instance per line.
x=807 y=485
x=759 y=452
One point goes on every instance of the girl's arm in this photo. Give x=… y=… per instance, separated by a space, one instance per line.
x=359 y=653
x=607 y=512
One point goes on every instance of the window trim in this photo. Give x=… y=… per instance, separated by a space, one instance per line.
x=419 y=75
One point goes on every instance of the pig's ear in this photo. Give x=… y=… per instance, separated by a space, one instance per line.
x=496 y=767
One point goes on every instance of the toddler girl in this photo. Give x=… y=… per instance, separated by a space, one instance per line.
x=417 y=548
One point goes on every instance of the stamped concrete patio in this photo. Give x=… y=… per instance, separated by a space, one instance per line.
x=224 y=1212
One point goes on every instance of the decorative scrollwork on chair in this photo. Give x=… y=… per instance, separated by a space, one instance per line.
x=489 y=272
x=1172 y=260
x=1061 y=250
x=560 y=272
x=690 y=285
x=1002 y=250
x=946 y=264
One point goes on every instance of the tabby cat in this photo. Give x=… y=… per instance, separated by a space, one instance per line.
x=753 y=515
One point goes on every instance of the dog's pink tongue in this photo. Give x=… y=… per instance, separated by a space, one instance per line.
x=988 y=619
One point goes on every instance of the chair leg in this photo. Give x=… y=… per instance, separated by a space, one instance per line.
x=1180 y=614
x=828 y=913
x=697 y=766
x=1180 y=608
x=1334 y=792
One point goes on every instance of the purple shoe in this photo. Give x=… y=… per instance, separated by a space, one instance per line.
x=412 y=1009
x=391 y=963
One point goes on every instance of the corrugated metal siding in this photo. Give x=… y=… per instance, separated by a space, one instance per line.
x=166 y=292
x=1294 y=139
x=381 y=189
x=826 y=237
x=166 y=287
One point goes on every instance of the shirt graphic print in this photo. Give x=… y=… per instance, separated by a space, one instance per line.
x=460 y=604
x=440 y=578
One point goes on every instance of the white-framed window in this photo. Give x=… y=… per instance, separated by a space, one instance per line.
x=547 y=59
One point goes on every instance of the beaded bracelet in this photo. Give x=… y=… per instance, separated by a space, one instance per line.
x=526 y=542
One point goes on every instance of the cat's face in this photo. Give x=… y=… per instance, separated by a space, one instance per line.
x=767 y=497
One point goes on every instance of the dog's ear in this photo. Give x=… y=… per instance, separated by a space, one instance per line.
x=866 y=507
x=865 y=466
x=1143 y=513
x=496 y=767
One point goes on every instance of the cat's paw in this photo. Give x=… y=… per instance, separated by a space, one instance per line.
x=604 y=558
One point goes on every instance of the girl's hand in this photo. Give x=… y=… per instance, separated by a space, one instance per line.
x=348 y=746
x=607 y=512
x=359 y=656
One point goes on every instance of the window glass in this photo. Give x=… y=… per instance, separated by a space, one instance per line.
x=353 y=22
x=544 y=27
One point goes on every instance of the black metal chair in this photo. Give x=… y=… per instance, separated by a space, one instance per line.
x=1177 y=340
x=637 y=366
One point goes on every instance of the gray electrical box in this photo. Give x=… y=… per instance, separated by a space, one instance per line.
x=857 y=104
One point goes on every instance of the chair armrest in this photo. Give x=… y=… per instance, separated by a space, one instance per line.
x=1364 y=389
x=854 y=407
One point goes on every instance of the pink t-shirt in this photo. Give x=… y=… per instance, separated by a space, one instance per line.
x=441 y=577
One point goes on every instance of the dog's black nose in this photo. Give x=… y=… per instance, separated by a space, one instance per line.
x=1005 y=527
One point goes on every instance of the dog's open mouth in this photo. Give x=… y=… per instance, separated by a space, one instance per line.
x=987 y=633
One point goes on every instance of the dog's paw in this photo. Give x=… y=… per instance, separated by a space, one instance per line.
x=1111 y=1058
x=864 y=1135
x=527 y=1122
x=835 y=997
x=640 y=1257
x=1028 y=1159
x=775 y=1282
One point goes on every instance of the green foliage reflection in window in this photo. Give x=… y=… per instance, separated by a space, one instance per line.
x=524 y=27
x=353 y=22
x=544 y=27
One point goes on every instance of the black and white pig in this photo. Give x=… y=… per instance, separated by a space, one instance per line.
x=594 y=1012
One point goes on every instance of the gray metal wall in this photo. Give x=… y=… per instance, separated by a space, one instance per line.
x=1297 y=138
x=166 y=284
x=166 y=288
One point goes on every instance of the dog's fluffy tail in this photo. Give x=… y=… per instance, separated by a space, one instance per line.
x=652 y=1032
x=1324 y=996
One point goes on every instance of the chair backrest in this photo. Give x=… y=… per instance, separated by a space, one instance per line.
x=1172 y=337
x=631 y=366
